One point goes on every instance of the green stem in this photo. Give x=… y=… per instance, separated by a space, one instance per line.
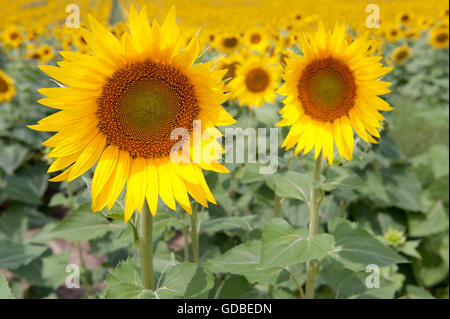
x=86 y=282
x=194 y=234
x=297 y=283
x=186 y=243
x=146 y=247
x=277 y=208
x=314 y=206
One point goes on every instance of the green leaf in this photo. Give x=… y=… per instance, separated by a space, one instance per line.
x=435 y=221
x=348 y=284
x=228 y=223
x=356 y=248
x=185 y=280
x=284 y=245
x=82 y=225
x=237 y=287
x=28 y=184
x=341 y=178
x=124 y=282
x=244 y=259
x=293 y=185
x=5 y=291
x=409 y=248
x=403 y=189
x=49 y=271
x=432 y=268
x=11 y=157
x=415 y=292
x=13 y=255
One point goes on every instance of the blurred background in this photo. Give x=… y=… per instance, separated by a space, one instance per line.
x=403 y=199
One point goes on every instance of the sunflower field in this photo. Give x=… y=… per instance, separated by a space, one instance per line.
x=197 y=149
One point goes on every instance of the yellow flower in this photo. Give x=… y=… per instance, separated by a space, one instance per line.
x=12 y=36
x=256 y=80
x=405 y=18
x=412 y=33
x=393 y=33
x=228 y=42
x=401 y=54
x=7 y=90
x=330 y=91
x=439 y=37
x=46 y=53
x=120 y=107
x=230 y=64
x=256 y=39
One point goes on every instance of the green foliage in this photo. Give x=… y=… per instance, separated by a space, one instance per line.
x=398 y=187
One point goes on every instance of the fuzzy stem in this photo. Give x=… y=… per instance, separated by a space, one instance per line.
x=194 y=234
x=146 y=247
x=313 y=227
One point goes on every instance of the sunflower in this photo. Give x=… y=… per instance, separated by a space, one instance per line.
x=330 y=91
x=46 y=52
x=120 y=107
x=228 y=42
x=256 y=39
x=405 y=18
x=393 y=33
x=12 y=36
x=412 y=33
x=7 y=90
x=439 y=38
x=401 y=54
x=230 y=64
x=256 y=80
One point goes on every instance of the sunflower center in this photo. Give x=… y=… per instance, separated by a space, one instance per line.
x=441 y=38
x=142 y=103
x=230 y=42
x=257 y=80
x=255 y=38
x=327 y=89
x=3 y=85
x=13 y=36
x=401 y=55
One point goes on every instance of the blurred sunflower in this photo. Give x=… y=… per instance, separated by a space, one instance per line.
x=405 y=18
x=412 y=33
x=256 y=39
x=228 y=42
x=256 y=80
x=230 y=64
x=120 y=107
x=330 y=91
x=12 y=36
x=7 y=90
x=439 y=38
x=401 y=54
x=46 y=52
x=393 y=33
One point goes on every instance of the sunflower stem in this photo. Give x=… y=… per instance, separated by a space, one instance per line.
x=146 y=247
x=85 y=276
x=186 y=243
x=313 y=227
x=277 y=208
x=194 y=234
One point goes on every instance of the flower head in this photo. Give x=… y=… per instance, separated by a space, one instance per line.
x=330 y=91
x=119 y=107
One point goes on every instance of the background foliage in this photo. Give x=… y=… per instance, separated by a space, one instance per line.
x=387 y=207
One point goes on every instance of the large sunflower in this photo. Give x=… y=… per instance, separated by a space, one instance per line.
x=120 y=106
x=7 y=90
x=330 y=91
x=256 y=81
